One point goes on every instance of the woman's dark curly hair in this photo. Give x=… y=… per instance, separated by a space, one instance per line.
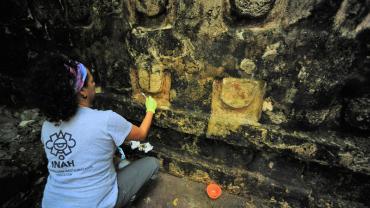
x=53 y=88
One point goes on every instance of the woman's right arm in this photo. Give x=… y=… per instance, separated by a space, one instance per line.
x=140 y=133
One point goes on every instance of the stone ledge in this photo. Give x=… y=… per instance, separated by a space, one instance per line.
x=194 y=123
x=325 y=148
x=330 y=150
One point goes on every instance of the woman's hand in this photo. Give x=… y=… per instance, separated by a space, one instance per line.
x=150 y=104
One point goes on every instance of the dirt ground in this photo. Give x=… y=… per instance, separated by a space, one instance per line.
x=170 y=191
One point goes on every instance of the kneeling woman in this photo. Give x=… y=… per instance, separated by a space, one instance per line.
x=80 y=142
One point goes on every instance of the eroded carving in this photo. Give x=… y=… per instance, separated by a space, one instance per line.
x=151 y=81
x=150 y=7
x=252 y=8
x=237 y=93
x=235 y=102
x=154 y=82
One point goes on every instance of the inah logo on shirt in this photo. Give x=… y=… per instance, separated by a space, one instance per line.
x=60 y=144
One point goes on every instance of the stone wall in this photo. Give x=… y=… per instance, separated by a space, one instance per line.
x=269 y=97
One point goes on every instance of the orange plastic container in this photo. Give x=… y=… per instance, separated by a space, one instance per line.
x=213 y=191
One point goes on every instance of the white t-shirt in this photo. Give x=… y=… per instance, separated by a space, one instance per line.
x=80 y=159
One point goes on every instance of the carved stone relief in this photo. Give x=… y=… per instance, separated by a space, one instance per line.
x=151 y=82
x=235 y=102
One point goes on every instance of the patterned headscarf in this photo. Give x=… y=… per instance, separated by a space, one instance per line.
x=79 y=73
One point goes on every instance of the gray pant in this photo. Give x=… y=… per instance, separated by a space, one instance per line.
x=133 y=177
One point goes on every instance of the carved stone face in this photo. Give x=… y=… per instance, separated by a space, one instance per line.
x=237 y=93
x=235 y=102
x=151 y=81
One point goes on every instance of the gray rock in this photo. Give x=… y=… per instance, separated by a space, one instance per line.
x=30 y=114
x=357 y=113
x=25 y=123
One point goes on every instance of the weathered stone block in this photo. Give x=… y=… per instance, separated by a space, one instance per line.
x=150 y=81
x=237 y=93
x=154 y=83
x=235 y=102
